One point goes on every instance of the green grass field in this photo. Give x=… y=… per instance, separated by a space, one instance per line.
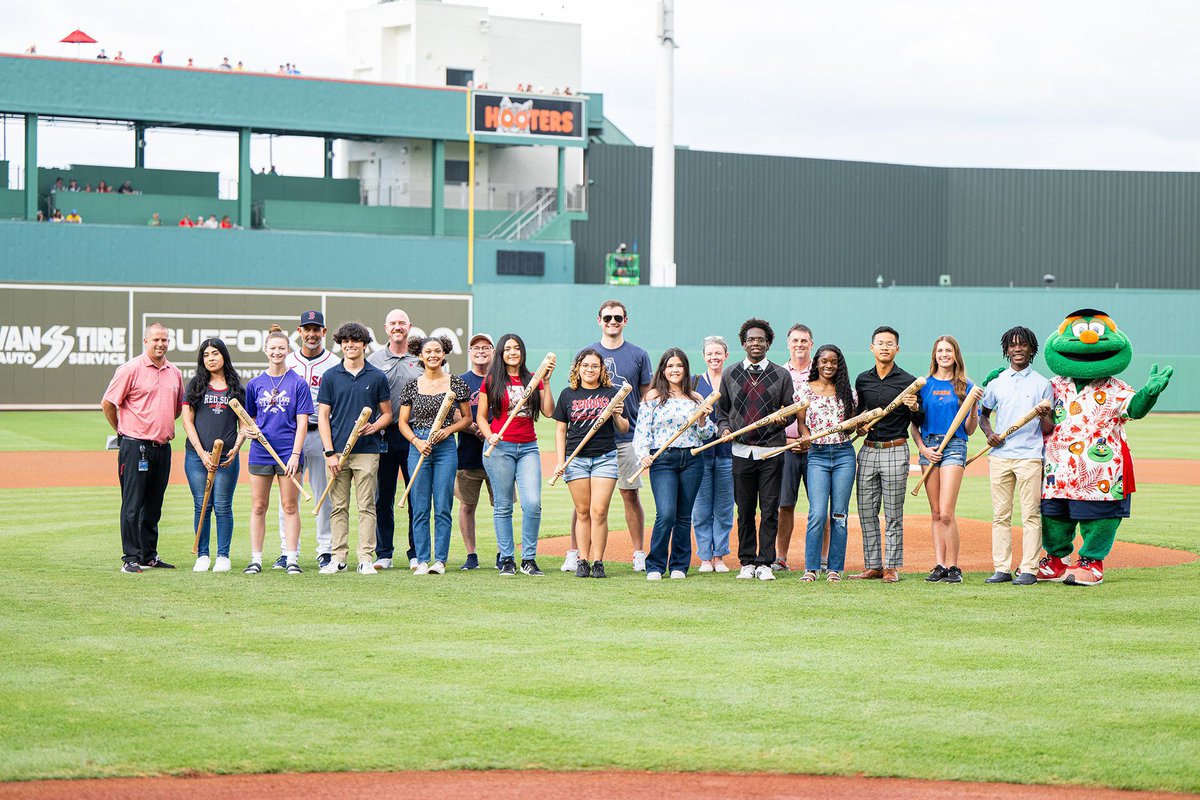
x=174 y=672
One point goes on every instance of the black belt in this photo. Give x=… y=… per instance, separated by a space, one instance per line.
x=312 y=426
x=149 y=442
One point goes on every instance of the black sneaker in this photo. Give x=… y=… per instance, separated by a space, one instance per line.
x=953 y=575
x=323 y=560
x=530 y=567
x=131 y=568
x=936 y=574
x=497 y=561
x=583 y=569
x=280 y=563
x=253 y=569
x=472 y=562
x=157 y=563
x=598 y=569
x=507 y=567
x=294 y=569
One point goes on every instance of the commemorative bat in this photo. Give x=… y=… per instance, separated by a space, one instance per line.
x=844 y=425
x=705 y=407
x=771 y=419
x=262 y=439
x=912 y=388
x=1016 y=426
x=364 y=417
x=538 y=377
x=972 y=398
x=620 y=396
x=439 y=418
x=218 y=446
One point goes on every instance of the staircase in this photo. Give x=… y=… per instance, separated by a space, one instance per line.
x=528 y=219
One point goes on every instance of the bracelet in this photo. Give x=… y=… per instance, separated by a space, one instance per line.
x=296 y=454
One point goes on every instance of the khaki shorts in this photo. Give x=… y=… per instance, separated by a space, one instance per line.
x=467 y=483
x=627 y=464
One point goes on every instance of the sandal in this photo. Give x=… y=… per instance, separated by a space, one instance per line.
x=834 y=577
x=809 y=576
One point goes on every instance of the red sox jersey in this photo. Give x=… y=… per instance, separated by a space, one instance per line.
x=312 y=370
x=1087 y=457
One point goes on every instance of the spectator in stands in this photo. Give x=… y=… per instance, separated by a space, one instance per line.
x=226 y=222
x=186 y=222
x=101 y=187
x=157 y=58
x=156 y=221
x=126 y=188
x=225 y=63
x=120 y=56
x=272 y=170
x=280 y=71
x=567 y=90
x=74 y=216
x=211 y=222
x=57 y=216
x=239 y=68
x=102 y=56
x=31 y=50
x=72 y=186
x=41 y=216
x=191 y=63
x=520 y=87
x=87 y=187
x=59 y=186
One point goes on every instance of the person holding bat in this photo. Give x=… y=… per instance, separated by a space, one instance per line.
x=206 y=418
x=514 y=460
x=831 y=460
x=712 y=514
x=669 y=407
x=346 y=389
x=592 y=474
x=282 y=404
x=1015 y=462
x=944 y=392
x=430 y=433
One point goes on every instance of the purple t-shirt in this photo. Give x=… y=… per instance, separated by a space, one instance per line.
x=276 y=402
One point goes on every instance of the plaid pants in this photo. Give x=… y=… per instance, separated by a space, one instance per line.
x=882 y=479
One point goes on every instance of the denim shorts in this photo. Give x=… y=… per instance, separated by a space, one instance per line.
x=955 y=454
x=604 y=466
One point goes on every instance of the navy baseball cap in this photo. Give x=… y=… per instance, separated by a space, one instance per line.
x=312 y=318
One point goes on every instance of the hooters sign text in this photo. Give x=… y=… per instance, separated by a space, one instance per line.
x=509 y=115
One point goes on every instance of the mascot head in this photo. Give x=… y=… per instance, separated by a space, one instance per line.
x=1088 y=345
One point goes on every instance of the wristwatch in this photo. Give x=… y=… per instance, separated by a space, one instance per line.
x=329 y=453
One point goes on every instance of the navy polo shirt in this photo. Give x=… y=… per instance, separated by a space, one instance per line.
x=347 y=394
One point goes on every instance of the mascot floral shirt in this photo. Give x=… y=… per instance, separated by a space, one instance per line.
x=1085 y=453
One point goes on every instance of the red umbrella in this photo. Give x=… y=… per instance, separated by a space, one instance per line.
x=78 y=37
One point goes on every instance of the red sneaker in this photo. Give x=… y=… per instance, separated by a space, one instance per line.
x=1085 y=572
x=1051 y=568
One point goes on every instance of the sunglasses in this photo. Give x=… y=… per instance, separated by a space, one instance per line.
x=618 y=318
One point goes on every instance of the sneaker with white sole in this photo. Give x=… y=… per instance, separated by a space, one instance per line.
x=202 y=564
x=132 y=568
x=253 y=568
x=280 y=563
x=571 y=562
x=764 y=573
x=332 y=568
x=706 y=566
x=530 y=567
x=719 y=565
x=639 y=561
x=383 y=563
x=437 y=568
x=678 y=574
x=323 y=559
x=294 y=569
x=222 y=564
x=412 y=563
x=366 y=568
x=746 y=572
x=421 y=569
x=653 y=575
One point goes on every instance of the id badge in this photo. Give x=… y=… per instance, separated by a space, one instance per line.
x=382 y=443
x=143 y=462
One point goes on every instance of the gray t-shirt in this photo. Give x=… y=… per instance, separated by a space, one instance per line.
x=399 y=370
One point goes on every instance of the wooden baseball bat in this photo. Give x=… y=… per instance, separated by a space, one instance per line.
x=443 y=410
x=620 y=396
x=218 y=446
x=262 y=439
x=912 y=388
x=704 y=408
x=537 y=378
x=844 y=425
x=972 y=398
x=771 y=419
x=364 y=417
x=1016 y=426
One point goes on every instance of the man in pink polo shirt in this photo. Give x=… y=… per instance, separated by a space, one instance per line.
x=141 y=404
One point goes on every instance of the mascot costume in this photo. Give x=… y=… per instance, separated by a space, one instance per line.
x=1088 y=472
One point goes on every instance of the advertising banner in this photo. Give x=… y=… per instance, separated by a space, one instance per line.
x=525 y=116
x=61 y=343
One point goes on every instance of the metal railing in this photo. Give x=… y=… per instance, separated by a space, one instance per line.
x=525 y=222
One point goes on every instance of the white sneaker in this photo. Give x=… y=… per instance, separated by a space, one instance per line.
x=571 y=562
x=366 y=568
x=706 y=566
x=653 y=576
x=202 y=564
x=421 y=568
x=383 y=563
x=678 y=574
x=438 y=568
x=719 y=566
x=746 y=572
x=221 y=564
x=639 y=561
x=412 y=563
x=332 y=568
x=765 y=573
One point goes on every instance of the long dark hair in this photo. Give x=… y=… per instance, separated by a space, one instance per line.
x=199 y=381
x=659 y=384
x=841 y=378
x=497 y=379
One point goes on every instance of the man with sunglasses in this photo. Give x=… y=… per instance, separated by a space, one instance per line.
x=626 y=363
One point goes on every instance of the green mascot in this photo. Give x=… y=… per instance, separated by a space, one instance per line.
x=1088 y=473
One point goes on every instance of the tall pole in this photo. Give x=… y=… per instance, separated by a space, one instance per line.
x=662 y=188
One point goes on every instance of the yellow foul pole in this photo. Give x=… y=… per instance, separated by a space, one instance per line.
x=470 y=192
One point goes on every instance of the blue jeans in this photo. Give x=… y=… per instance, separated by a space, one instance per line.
x=830 y=478
x=518 y=465
x=220 y=502
x=674 y=478
x=434 y=485
x=712 y=515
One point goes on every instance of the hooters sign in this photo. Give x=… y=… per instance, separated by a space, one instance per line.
x=525 y=116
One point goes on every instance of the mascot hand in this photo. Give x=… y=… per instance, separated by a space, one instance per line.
x=991 y=376
x=1158 y=380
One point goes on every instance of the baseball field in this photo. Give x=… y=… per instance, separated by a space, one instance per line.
x=173 y=673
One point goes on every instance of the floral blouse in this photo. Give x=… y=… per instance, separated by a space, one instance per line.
x=657 y=421
x=425 y=406
x=825 y=412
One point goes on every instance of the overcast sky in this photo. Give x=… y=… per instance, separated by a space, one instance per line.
x=1020 y=83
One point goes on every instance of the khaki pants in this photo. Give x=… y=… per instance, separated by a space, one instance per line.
x=363 y=470
x=1020 y=477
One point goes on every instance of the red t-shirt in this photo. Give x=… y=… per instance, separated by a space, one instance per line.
x=521 y=430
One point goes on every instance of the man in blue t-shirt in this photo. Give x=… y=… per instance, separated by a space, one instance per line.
x=471 y=474
x=626 y=363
